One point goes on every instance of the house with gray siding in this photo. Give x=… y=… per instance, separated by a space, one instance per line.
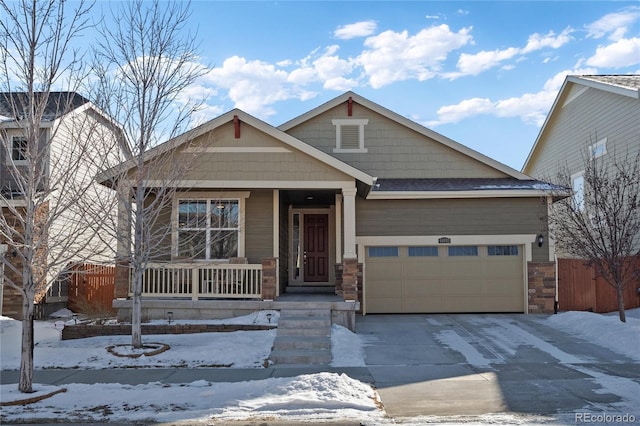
x=593 y=116
x=350 y=200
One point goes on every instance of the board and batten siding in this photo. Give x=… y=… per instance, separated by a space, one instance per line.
x=210 y=157
x=584 y=118
x=448 y=218
x=389 y=144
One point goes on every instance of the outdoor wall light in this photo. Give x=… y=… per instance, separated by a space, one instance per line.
x=269 y=317
x=540 y=240
x=75 y=318
x=169 y=317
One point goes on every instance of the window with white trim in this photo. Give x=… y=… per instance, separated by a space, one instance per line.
x=208 y=229
x=598 y=149
x=19 y=146
x=350 y=135
x=577 y=184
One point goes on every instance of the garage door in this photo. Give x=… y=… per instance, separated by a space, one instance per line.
x=424 y=279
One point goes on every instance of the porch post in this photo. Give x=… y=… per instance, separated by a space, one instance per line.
x=350 y=261
x=349 y=204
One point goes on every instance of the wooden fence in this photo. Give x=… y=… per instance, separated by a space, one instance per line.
x=581 y=289
x=91 y=289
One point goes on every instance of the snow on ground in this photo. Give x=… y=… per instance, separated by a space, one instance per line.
x=319 y=397
x=604 y=330
x=314 y=397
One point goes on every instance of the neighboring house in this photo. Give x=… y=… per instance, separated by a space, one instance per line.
x=353 y=199
x=593 y=115
x=76 y=138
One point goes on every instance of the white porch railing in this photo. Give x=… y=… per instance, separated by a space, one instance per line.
x=201 y=280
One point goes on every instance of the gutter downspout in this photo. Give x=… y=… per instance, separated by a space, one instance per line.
x=555 y=303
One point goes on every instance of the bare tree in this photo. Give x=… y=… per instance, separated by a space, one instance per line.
x=46 y=188
x=145 y=63
x=600 y=223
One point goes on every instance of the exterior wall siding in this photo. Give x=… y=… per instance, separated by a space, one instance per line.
x=293 y=165
x=454 y=217
x=259 y=226
x=587 y=118
x=389 y=144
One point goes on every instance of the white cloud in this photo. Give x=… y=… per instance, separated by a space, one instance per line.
x=358 y=29
x=615 y=24
x=476 y=63
x=253 y=85
x=484 y=60
x=532 y=108
x=465 y=109
x=622 y=53
x=537 y=41
x=393 y=56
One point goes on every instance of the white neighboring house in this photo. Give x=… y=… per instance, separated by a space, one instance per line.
x=78 y=141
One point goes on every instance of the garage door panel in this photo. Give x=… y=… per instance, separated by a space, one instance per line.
x=384 y=289
x=424 y=304
x=428 y=283
x=386 y=305
x=385 y=271
x=428 y=269
x=503 y=286
x=459 y=268
x=463 y=287
x=502 y=303
x=418 y=288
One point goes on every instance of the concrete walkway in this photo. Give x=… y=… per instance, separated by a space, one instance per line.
x=445 y=365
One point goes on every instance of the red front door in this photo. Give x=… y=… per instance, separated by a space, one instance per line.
x=316 y=247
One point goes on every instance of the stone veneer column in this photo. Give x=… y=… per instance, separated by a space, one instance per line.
x=121 y=290
x=350 y=279
x=269 y=278
x=542 y=287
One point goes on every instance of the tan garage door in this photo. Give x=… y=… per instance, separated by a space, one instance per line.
x=424 y=279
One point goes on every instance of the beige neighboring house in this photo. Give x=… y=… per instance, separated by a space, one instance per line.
x=76 y=138
x=593 y=115
x=352 y=200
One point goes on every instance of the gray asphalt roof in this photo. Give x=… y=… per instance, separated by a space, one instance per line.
x=462 y=184
x=58 y=104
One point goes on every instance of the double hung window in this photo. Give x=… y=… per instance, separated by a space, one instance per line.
x=208 y=229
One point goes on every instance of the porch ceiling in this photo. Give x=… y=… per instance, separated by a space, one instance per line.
x=309 y=197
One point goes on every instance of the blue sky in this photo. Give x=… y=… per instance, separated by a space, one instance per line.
x=482 y=73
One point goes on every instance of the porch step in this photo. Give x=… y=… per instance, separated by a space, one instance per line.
x=313 y=289
x=303 y=337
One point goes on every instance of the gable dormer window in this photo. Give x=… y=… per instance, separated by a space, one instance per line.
x=350 y=135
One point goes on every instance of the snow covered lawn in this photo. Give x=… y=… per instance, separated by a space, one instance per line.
x=314 y=397
x=321 y=397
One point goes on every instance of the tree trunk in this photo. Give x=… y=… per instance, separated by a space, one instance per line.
x=620 y=294
x=136 y=310
x=26 y=359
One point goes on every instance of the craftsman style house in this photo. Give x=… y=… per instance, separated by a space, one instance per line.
x=349 y=199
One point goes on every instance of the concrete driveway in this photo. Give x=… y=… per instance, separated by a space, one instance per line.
x=469 y=365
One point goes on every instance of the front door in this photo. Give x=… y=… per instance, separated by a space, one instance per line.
x=316 y=248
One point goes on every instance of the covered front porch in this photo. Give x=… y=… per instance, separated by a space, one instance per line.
x=309 y=233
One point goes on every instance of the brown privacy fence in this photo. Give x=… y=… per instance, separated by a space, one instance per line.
x=581 y=289
x=91 y=289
